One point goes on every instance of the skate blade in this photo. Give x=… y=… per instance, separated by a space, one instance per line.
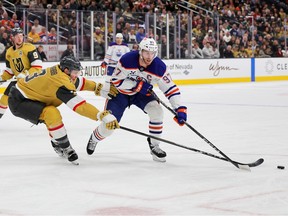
x=157 y=159
x=75 y=162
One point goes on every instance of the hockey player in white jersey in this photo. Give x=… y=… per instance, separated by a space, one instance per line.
x=115 y=51
x=135 y=74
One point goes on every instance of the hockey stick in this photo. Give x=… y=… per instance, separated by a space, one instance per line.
x=238 y=165
x=244 y=166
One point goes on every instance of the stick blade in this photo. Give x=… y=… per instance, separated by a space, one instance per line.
x=244 y=167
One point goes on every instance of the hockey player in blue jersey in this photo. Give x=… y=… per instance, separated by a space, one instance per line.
x=135 y=74
x=115 y=51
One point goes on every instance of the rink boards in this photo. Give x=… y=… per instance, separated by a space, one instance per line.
x=204 y=71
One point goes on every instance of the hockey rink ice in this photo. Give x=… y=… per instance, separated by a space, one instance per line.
x=246 y=121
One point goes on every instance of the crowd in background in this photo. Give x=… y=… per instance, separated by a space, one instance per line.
x=236 y=36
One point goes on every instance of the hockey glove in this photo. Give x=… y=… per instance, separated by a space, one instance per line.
x=99 y=91
x=181 y=115
x=143 y=87
x=103 y=64
x=22 y=75
x=109 y=120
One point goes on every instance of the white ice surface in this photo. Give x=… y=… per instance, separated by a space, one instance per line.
x=246 y=121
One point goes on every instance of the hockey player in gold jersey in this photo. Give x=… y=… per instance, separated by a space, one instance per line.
x=37 y=96
x=21 y=58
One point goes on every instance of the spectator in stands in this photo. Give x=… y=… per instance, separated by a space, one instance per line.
x=69 y=51
x=227 y=36
x=228 y=52
x=5 y=21
x=54 y=4
x=14 y=21
x=84 y=5
x=2 y=30
x=37 y=26
x=207 y=50
x=216 y=53
x=234 y=30
x=98 y=36
x=37 y=9
x=132 y=36
x=92 y=6
x=279 y=52
x=239 y=52
x=125 y=35
x=41 y=52
x=135 y=47
x=72 y=31
x=71 y=5
x=196 y=51
x=210 y=37
x=5 y=39
x=33 y=36
x=163 y=42
x=43 y=35
x=140 y=34
x=52 y=36
x=197 y=32
x=2 y=10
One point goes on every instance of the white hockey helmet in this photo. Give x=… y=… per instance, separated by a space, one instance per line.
x=148 y=44
x=119 y=35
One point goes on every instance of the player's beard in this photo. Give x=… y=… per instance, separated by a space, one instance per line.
x=18 y=45
x=145 y=62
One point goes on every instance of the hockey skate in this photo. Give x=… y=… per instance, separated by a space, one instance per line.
x=91 y=146
x=71 y=155
x=157 y=153
x=57 y=149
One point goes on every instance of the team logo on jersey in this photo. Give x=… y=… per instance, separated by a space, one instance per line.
x=20 y=53
x=18 y=64
x=118 y=53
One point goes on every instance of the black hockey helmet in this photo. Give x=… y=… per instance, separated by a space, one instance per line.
x=16 y=31
x=71 y=63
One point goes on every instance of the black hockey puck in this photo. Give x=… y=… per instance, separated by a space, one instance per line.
x=280 y=167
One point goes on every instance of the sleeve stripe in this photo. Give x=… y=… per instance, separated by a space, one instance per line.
x=79 y=104
x=37 y=63
x=117 y=83
x=9 y=71
x=81 y=84
x=36 y=66
x=177 y=93
x=56 y=128
x=75 y=102
x=126 y=92
x=172 y=92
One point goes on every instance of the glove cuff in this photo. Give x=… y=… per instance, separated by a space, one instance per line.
x=181 y=109
x=101 y=115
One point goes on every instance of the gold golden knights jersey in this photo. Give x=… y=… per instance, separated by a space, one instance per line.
x=53 y=87
x=26 y=58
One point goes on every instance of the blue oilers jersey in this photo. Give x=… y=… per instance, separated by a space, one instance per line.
x=128 y=71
